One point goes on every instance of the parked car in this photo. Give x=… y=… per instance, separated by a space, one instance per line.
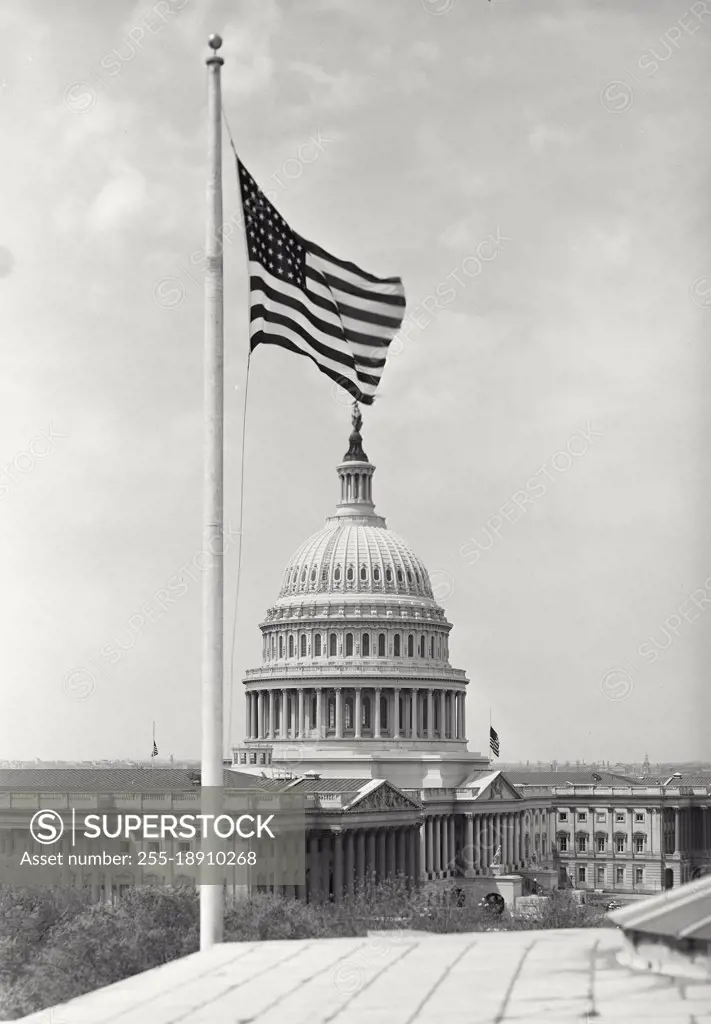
x=613 y=905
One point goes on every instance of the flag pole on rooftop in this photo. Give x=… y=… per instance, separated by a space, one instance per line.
x=211 y=896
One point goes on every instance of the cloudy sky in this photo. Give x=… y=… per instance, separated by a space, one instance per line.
x=537 y=172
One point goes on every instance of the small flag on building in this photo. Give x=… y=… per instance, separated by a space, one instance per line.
x=155 y=750
x=314 y=304
x=494 y=741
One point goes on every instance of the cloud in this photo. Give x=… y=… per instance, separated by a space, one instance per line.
x=342 y=90
x=122 y=197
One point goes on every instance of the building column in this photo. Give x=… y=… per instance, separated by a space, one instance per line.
x=314 y=886
x=442 y=715
x=338 y=867
x=444 y=827
x=430 y=715
x=391 y=838
x=437 y=866
x=349 y=867
x=339 y=713
x=381 y=861
x=376 y=714
x=676 y=830
x=412 y=848
x=452 y=851
x=270 y=720
x=469 y=848
x=396 y=733
x=401 y=837
x=453 y=713
x=283 y=719
x=413 y=714
x=429 y=863
x=360 y=872
x=358 y=711
x=371 y=863
x=300 y=731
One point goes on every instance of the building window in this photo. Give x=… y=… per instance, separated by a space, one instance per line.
x=620 y=817
x=581 y=874
x=363 y=573
x=332 y=645
x=291 y=645
x=639 y=844
x=432 y=648
x=639 y=818
x=125 y=847
x=619 y=876
x=399 y=576
x=396 y=645
x=313 y=575
x=376 y=574
x=153 y=847
x=639 y=876
x=620 y=844
x=563 y=842
x=409 y=576
x=582 y=844
x=600 y=876
x=302 y=645
x=337 y=574
x=365 y=713
x=422 y=646
x=331 y=713
x=349 y=645
x=388 y=575
x=600 y=816
x=601 y=844
x=582 y=816
x=281 y=646
x=365 y=645
x=381 y=645
x=348 y=713
x=563 y=815
x=317 y=646
x=349 y=574
x=410 y=646
x=543 y=846
x=184 y=847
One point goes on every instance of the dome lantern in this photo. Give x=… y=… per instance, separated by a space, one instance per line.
x=356 y=474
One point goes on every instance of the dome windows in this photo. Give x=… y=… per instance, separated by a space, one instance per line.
x=409 y=576
x=303 y=576
x=281 y=646
x=381 y=645
x=317 y=646
x=396 y=645
x=432 y=647
x=349 y=645
x=411 y=646
x=376 y=574
x=388 y=575
x=332 y=645
x=302 y=646
x=363 y=573
x=291 y=645
x=399 y=576
x=422 y=646
x=365 y=645
x=337 y=574
x=349 y=574
x=313 y=575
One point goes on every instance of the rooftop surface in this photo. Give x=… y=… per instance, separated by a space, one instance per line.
x=399 y=978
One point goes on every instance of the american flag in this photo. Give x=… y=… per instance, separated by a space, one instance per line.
x=494 y=741
x=313 y=303
x=155 y=750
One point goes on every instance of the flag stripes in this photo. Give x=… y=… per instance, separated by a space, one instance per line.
x=313 y=303
x=493 y=741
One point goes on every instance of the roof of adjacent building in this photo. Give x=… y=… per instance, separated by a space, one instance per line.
x=529 y=977
x=683 y=913
x=114 y=780
x=573 y=776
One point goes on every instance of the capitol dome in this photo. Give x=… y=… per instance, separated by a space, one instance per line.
x=348 y=557
x=355 y=649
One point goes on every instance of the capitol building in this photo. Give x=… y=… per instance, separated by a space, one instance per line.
x=355 y=677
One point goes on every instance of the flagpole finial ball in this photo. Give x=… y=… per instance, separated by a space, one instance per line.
x=215 y=41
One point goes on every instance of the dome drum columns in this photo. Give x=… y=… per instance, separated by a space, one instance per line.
x=359 y=713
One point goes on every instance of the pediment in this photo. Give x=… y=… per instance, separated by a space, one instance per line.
x=384 y=797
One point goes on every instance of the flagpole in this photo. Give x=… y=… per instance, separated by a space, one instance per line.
x=211 y=896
